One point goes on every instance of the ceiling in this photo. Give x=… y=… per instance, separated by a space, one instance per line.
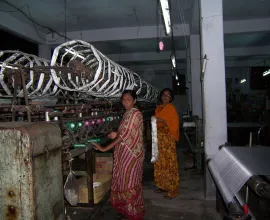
x=93 y=14
x=245 y=9
x=135 y=46
x=98 y=14
x=81 y=15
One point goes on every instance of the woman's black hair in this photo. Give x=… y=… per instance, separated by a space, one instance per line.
x=132 y=93
x=169 y=90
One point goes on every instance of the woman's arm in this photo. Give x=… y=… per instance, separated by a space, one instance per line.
x=108 y=147
x=113 y=135
x=162 y=121
x=173 y=123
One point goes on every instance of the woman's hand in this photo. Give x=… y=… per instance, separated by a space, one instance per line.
x=112 y=135
x=162 y=121
x=98 y=147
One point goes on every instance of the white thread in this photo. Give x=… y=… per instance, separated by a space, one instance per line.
x=154 y=139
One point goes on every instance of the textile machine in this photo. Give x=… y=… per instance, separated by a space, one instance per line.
x=193 y=131
x=50 y=113
x=241 y=175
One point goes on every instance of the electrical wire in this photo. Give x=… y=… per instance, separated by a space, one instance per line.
x=172 y=36
x=157 y=17
x=13 y=10
x=34 y=25
x=137 y=19
x=29 y=17
x=65 y=6
x=79 y=22
x=160 y=21
x=202 y=83
x=172 y=42
x=182 y=19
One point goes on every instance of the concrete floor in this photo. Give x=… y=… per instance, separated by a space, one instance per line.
x=189 y=205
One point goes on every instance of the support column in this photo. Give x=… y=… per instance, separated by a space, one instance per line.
x=44 y=51
x=196 y=88
x=214 y=91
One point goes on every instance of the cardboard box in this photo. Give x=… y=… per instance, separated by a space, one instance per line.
x=102 y=185
x=83 y=190
x=102 y=179
x=104 y=163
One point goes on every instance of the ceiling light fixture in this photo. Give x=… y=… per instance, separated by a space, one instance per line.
x=176 y=77
x=266 y=72
x=178 y=84
x=74 y=53
x=173 y=61
x=243 y=80
x=166 y=15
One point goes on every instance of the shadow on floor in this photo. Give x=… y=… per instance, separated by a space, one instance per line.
x=189 y=205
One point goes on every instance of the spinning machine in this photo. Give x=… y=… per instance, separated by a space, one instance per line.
x=50 y=113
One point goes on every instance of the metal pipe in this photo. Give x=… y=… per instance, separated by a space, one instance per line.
x=55 y=114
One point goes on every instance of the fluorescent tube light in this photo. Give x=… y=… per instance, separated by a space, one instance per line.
x=166 y=15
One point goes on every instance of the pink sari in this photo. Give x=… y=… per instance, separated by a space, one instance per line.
x=126 y=190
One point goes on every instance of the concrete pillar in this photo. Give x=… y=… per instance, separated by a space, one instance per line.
x=196 y=88
x=214 y=91
x=44 y=51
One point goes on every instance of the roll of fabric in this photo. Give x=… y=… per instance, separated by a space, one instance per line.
x=232 y=167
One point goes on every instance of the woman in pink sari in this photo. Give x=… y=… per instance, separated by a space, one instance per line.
x=126 y=190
